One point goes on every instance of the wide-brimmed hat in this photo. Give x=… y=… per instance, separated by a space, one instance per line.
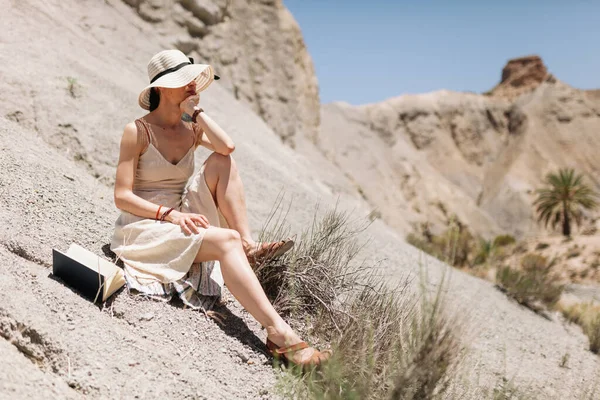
x=173 y=69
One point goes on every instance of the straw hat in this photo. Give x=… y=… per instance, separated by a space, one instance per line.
x=173 y=69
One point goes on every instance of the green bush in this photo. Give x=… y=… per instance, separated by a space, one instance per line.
x=485 y=253
x=504 y=240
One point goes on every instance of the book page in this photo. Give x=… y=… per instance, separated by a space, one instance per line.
x=113 y=284
x=93 y=261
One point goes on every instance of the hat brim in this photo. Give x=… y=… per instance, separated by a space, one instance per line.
x=203 y=74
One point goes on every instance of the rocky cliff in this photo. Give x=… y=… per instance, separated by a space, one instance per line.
x=256 y=47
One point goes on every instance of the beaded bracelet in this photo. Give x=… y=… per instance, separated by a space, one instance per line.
x=162 y=218
x=158 y=212
x=196 y=113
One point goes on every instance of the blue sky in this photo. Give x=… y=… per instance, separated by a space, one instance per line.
x=370 y=50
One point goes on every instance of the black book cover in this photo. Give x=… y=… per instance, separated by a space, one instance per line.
x=77 y=275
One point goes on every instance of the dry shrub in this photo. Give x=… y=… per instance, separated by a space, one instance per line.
x=454 y=246
x=390 y=345
x=587 y=315
x=533 y=285
x=321 y=268
x=387 y=342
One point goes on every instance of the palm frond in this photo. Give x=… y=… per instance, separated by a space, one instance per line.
x=565 y=191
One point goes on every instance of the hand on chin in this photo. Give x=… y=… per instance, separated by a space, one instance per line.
x=189 y=103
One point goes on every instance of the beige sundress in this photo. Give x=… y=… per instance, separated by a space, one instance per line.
x=158 y=257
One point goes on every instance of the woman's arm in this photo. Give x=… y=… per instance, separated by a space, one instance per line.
x=216 y=137
x=126 y=200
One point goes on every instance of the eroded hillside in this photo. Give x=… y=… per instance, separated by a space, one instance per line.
x=423 y=158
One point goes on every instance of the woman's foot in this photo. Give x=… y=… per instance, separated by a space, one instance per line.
x=291 y=347
x=257 y=252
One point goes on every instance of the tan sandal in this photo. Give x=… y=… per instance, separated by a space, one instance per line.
x=286 y=354
x=268 y=250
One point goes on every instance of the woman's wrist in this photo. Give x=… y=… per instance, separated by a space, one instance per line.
x=171 y=216
x=196 y=113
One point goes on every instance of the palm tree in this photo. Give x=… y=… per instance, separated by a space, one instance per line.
x=564 y=200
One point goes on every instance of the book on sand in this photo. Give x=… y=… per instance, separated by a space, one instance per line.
x=94 y=277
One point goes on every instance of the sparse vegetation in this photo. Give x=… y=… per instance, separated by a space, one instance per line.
x=458 y=247
x=533 y=285
x=504 y=240
x=455 y=246
x=573 y=252
x=321 y=268
x=563 y=201
x=486 y=249
x=387 y=341
x=506 y=390
x=72 y=86
x=373 y=215
x=587 y=315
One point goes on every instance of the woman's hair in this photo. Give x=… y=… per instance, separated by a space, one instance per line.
x=154 y=99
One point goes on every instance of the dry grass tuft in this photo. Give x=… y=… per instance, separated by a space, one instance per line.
x=534 y=285
x=387 y=341
x=391 y=345
x=455 y=246
x=319 y=271
x=587 y=315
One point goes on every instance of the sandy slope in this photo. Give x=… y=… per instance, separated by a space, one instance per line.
x=51 y=197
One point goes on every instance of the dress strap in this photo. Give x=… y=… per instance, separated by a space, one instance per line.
x=144 y=137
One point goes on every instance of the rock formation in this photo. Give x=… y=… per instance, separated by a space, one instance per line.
x=423 y=158
x=256 y=47
x=521 y=75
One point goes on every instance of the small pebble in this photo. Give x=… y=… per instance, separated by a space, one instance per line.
x=146 y=317
x=242 y=356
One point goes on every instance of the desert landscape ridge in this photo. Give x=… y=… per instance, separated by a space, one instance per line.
x=70 y=76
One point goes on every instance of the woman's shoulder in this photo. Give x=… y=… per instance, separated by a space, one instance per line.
x=135 y=127
x=134 y=134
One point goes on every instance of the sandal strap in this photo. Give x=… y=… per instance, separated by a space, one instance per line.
x=264 y=249
x=293 y=348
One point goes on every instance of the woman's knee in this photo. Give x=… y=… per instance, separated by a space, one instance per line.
x=221 y=162
x=219 y=159
x=228 y=238
x=217 y=242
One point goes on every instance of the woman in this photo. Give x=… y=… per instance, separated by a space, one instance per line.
x=168 y=235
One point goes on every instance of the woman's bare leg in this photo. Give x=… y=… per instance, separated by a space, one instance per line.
x=225 y=245
x=226 y=186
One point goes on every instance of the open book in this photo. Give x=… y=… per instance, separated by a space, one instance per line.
x=94 y=277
